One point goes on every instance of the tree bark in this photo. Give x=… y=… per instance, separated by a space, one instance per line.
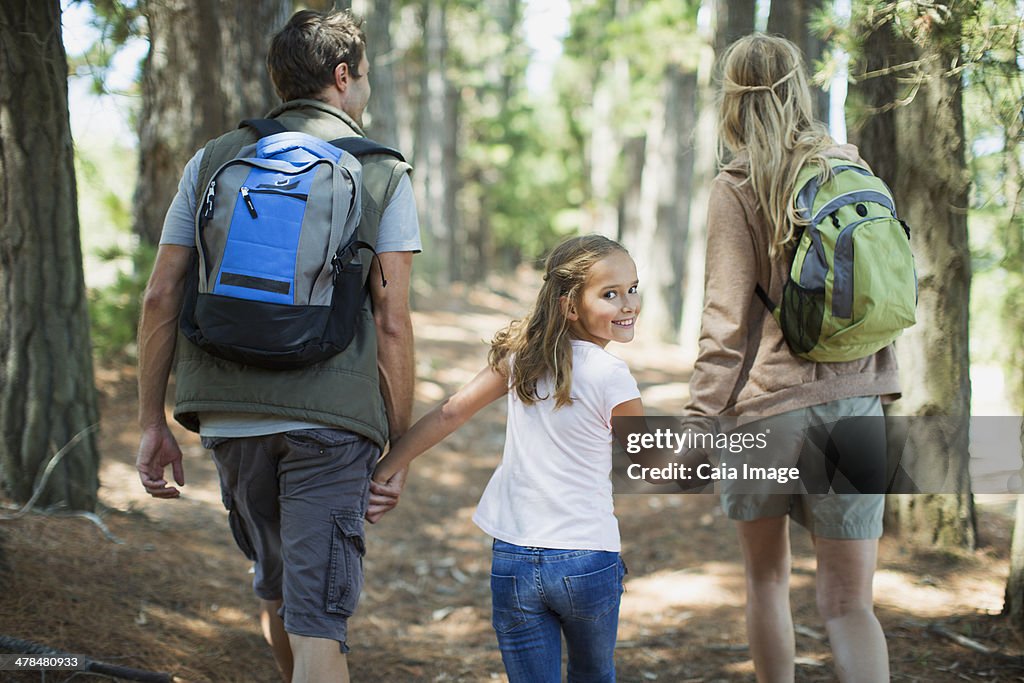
x=605 y=146
x=1013 y=606
x=660 y=241
x=205 y=71
x=1014 y=240
x=47 y=395
x=729 y=21
x=382 y=123
x=733 y=19
x=792 y=20
x=436 y=147
x=919 y=151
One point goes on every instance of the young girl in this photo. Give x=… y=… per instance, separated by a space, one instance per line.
x=744 y=367
x=556 y=568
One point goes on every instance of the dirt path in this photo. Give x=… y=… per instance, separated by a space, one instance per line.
x=174 y=596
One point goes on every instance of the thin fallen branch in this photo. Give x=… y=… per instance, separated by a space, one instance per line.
x=963 y=641
x=45 y=476
x=41 y=480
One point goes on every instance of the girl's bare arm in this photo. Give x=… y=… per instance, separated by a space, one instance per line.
x=488 y=386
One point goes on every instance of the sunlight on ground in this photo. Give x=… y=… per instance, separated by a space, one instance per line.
x=444 y=472
x=712 y=584
x=201 y=628
x=429 y=392
x=930 y=597
x=459 y=327
x=744 y=669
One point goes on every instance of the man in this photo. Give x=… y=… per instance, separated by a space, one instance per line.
x=294 y=449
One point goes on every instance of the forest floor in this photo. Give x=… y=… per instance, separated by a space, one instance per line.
x=174 y=595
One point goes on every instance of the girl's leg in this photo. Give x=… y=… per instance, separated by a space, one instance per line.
x=845 y=571
x=590 y=621
x=532 y=652
x=276 y=637
x=766 y=556
x=529 y=635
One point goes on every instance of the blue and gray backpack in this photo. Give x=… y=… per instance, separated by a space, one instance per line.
x=279 y=281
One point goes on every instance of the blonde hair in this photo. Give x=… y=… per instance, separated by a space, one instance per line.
x=765 y=111
x=540 y=342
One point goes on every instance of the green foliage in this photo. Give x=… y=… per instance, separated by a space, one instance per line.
x=987 y=56
x=114 y=309
x=116 y=22
x=624 y=49
x=514 y=178
x=994 y=118
x=115 y=269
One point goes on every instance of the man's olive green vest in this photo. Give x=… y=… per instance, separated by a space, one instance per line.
x=342 y=391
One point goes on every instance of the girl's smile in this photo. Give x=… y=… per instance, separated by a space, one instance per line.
x=608 y=304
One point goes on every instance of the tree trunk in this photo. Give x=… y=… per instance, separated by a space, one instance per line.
x=605 y=147
x=792 y=20
x=205 y=71
x=733 y=19
x=382 y=115
x=435 y=147
x=1013 y=605
x=1014 y=262
x=930 y=181
x=729 y=21
x=47 y=395
x=660 y=241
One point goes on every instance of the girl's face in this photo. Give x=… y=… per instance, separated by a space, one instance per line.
x=608 y=303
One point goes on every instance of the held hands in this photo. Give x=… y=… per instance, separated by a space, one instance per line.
x=384 y=496
x=157 y=450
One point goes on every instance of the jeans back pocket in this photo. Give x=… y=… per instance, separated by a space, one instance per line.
x=506 y=610
x=595 y=594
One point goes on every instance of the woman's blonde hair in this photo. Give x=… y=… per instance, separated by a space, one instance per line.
x=540 y=342
x=765 y=111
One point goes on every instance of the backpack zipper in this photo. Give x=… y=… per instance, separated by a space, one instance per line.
x=208 y=200
x=246 y=192
x=248 y=201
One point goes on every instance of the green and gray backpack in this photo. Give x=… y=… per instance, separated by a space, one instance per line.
x=852 y=286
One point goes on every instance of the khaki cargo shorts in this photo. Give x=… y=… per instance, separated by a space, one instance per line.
x=836 y=456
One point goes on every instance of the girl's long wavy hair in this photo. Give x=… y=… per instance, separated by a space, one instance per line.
x=540 y=342
x=765 y=111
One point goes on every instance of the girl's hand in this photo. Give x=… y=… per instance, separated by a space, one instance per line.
x=384 y=495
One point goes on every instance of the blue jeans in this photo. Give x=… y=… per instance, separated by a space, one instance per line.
x=539 y=594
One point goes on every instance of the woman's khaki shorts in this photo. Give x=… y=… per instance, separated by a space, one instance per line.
x=819 y=508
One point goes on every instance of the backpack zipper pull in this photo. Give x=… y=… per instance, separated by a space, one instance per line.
x=208 y=201
x=248 y=201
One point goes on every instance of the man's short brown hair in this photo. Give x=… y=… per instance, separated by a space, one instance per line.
x=304 y=54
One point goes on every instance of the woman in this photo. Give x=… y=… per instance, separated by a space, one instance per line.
x=745 y=369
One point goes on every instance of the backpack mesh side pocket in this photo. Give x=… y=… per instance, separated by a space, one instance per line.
x=800 y=315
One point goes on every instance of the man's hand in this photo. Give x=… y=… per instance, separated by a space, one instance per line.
x=384 y=497
x=157 y=450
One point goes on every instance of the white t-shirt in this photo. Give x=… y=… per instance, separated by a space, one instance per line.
x=553 y=487
x=399 y=230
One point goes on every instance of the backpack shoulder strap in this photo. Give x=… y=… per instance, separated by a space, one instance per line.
x=359 y=147
x=263 y=127
x=354 y=145
x=203 y=176
x=763 y=296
